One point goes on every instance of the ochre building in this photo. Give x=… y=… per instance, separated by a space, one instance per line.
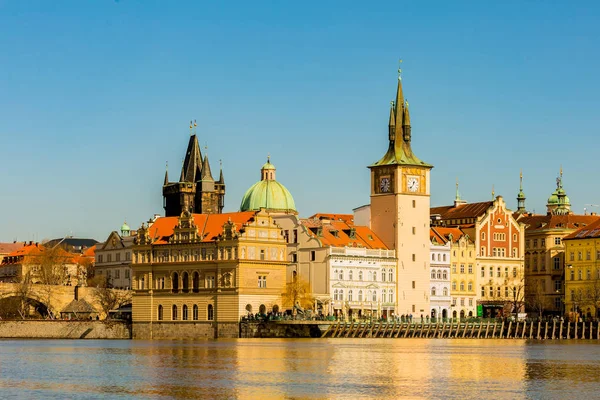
x=196 y=275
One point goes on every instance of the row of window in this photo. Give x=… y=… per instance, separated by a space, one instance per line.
x=117 y=272
x=339 y=274
x=117 y=257
x=498 y=251
x=439 y=274
x=370 y=295
x=557 y=242
x=462 y=268
x=440 y=257
x=580 y=274
x=185 y=313
x=434 y=291
x=462 y=303
x=462 y=286
x=533 y=262
x=499 y=272
x=499 y=236
x=507 y=291
x=588 y=255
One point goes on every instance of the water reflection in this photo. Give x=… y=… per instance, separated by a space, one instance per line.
x=307 y=368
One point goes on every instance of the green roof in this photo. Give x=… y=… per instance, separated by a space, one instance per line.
x=268 y=165
x=268 y=194
x=125 y=227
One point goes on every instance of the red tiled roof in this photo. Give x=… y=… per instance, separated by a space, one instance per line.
x=347 y=218
x=209 y=225
x=35 y=250
x=469 y=210
x=444 y=233
x=587 y=232
x=90 y=252
x=337 y=233
x=7 y=248
x=538 y=222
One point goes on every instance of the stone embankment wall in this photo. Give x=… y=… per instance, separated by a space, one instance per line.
x=48 y=329
x=272 y=329
x=185 y=330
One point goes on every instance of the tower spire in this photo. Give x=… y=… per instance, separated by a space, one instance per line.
x=167 y=174
x=392 y=123
x=521 y=196
x=206 y=173
x=221 y=179
x=457 y=200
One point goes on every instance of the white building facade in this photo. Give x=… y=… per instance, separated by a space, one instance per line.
x=362 y=282
x=440 y=300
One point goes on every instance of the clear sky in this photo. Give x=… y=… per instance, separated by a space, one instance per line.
x=95 y=97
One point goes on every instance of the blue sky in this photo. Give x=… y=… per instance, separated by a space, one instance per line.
x=95 y=97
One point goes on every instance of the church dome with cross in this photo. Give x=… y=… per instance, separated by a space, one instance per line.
x=268 y=194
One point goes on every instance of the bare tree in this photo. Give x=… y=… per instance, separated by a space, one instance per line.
x=516 y=293
x=297 y=294
x=109 y=298
x=537 y=298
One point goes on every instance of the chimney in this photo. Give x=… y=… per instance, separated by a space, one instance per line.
x=76 y=293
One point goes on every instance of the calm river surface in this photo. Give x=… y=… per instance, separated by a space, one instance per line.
x=298 y=369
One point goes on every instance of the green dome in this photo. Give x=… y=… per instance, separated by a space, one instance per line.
x=125 y=227
x=268 y=165
x=567 y=200
x=268 y=194
x=553 y=199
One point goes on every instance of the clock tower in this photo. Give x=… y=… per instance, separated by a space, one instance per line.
x=400 y=203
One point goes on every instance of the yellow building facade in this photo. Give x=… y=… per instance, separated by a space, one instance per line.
x=582 y=272
x=196 y=275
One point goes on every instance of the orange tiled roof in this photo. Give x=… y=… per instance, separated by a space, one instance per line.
x=209 y=225
x=444 y=233
x=469 y=210
x=539 y=222
x=338 y=233
x=7 y=248
x=33 y=250
x=587 y=232
x=347 y=218
x=90 y=251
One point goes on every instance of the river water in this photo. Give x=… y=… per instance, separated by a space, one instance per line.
x=299 y=369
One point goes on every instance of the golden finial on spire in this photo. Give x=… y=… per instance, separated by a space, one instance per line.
x=400 y=70
x=521 y=174
x=269 y=157
x=561 y=172
x=493 y=193
x=406 y=102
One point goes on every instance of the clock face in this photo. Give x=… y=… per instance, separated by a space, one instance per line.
x=412 y=184
x=384 y=185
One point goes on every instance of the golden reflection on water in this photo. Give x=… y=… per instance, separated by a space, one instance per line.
x=297 y=369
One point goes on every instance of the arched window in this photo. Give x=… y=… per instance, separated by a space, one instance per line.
x=160 y=312
x=360 y=295
x=432 y=257
x=341 y=274
x=470 y=286
x=185 y=285
x=445 y=291
x=444 y=257
x=195 y=312
x=374 y=295
x=350 y=275
x=383 y=295
x=175 y=282
x=391 y=275
x=335 y=294
x=184 y=312
x=360 y=275
x=391 y=296
x=433 y=274
x=335 y=273
x=453 y=285
x=341 y=295
x=383 y=275
x=210 y=315
x=195 y=282
x=438 y=256
x=174 y=313
x=370 y=275
x=433 y=291
x=349 y=295
x=439 y=274
x=445 y=274
x=142 y=283
x=462 y=286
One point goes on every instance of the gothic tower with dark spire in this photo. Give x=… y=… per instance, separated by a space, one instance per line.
x=400 y=205
x=196 y=191
x=521 y=198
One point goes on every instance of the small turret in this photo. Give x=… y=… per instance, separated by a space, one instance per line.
x=166 y=175
x=392 y=124
x=457 y=200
